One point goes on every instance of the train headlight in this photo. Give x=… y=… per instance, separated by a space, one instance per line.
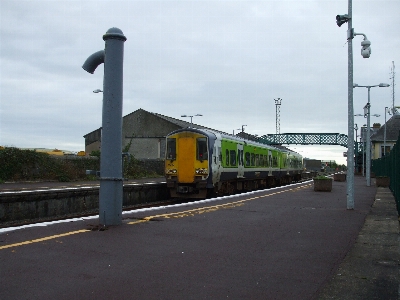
x=201 y=171
x=171 y=171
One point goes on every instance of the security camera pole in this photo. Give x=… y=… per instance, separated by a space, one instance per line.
x=365 y=52
x=111 y=185
x=341 y=19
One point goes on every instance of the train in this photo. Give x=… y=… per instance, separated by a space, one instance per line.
x=200 y=163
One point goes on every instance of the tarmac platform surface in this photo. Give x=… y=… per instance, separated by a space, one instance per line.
x=283 y=243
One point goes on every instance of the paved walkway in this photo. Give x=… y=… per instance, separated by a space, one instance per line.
x=371 y=269
x=283 y=243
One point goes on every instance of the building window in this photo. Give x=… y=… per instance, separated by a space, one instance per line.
x=383 y=152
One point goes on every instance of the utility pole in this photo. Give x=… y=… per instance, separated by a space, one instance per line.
x=392 y=77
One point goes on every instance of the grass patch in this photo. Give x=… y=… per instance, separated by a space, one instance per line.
x=29 y=165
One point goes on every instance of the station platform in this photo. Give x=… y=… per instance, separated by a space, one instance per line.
x=283 y=243
x=46 y=185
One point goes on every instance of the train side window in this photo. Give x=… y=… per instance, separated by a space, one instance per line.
x=257 y=160
x=275 y=162
x=253 y=159
x=233 y=157
x=227 y=157
x=240 y=157
x=247 y=158
x=202 y=149
x=171 y=148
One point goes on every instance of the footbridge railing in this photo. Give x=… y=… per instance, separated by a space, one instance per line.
x=307 y=139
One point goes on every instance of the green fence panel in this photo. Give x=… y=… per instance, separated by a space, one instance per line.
x=389 y=165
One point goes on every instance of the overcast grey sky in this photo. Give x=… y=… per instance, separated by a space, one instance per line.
x=227 y=60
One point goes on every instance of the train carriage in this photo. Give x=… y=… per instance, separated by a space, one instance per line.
x=202 y=162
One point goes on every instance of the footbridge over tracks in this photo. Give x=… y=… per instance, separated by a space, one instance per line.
x=307 y=139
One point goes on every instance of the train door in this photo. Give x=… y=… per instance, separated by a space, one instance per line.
x=240 y=161
x=186 y=159
x=270 y=162
x=217 y=159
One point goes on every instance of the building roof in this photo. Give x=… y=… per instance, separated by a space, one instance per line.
x=392 y=130
x=177 y=122
x=180 y=123
x=184 y=124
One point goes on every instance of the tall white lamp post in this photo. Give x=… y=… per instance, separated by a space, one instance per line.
x=367 y=114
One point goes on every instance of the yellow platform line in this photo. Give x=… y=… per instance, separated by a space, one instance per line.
x=43 y=239
x=187 y=213
x=201 y=210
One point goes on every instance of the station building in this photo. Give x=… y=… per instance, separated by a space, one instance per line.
x=392 y=128
x=143 y=134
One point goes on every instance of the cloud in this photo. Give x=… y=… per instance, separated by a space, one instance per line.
x=227 y=60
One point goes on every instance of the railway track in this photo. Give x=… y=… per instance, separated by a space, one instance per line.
x=88 y=214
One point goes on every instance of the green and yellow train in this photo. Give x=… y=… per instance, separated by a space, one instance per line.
x=200 y=163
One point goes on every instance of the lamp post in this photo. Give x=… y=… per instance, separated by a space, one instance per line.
x=362 y=152
x=364 y=130
x=191 y=118
x=367 y=114
x=356 y=129
x=242 y=128
x=384 y=135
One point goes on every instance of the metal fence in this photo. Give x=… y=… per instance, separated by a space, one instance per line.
x=389 y=165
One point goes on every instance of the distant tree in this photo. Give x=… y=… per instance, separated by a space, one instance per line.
x=95 y=153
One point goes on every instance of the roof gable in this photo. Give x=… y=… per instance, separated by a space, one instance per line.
x=392 y=130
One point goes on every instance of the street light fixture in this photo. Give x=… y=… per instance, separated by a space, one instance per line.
x=367 y=114
x=191 y=118
x=97 y=91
